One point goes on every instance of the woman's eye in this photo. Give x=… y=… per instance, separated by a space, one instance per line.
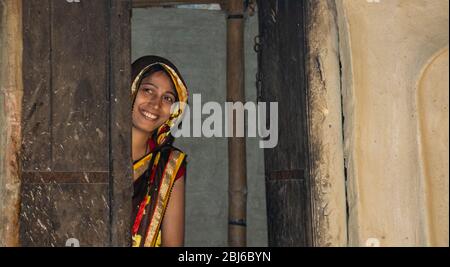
x=169 y=99
x=148 y=90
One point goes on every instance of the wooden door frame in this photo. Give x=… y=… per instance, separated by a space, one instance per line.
x=121 y=189
x=11 y=89
x=282 y=79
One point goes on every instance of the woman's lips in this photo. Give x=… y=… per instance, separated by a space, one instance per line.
x=149 y=116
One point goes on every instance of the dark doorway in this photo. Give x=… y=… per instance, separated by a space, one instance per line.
x=76 y=77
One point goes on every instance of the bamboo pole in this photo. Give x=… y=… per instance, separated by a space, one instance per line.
x=237 y=170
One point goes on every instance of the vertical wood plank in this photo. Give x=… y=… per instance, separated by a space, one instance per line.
x=79 y=82
x=11 y=92
x=36 y=128
x=282 y=66
x=120 y=124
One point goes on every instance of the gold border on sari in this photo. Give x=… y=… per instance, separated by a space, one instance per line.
x=175 y=159
x=141 y=166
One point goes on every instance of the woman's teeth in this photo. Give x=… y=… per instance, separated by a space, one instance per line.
x=149 y=115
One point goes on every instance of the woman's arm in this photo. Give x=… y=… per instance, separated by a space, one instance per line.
x=173 y=223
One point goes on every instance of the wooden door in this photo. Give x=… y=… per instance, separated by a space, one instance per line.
x=76 y=149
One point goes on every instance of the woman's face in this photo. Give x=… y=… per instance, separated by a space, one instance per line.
x=153 y=101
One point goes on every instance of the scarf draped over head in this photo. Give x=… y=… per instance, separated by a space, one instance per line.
x=139 y=69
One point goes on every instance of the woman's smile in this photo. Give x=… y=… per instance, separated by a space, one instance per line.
x=149 y=115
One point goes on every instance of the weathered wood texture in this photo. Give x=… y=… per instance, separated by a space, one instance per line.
x=120 y=123
x=10 y=115
x=76 y=123
x=283 y=80
x=153 y=3
x=326 y=147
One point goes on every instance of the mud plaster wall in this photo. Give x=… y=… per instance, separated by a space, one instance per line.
x=432 y=101
x=10 y=110
x=394 y=57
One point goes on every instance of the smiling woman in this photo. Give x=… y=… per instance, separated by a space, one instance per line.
x=159 y=168
x=155 y=96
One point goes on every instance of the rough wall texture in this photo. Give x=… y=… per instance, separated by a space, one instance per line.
x=10 y=113
x=195 y=40
x=396 y=120
x=325 y=119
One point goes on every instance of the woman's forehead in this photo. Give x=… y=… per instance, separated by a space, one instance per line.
x=160 y=80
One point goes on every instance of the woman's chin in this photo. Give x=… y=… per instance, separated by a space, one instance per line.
x=146 y=126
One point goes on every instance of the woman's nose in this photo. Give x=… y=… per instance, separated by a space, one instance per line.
x=155 y=103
